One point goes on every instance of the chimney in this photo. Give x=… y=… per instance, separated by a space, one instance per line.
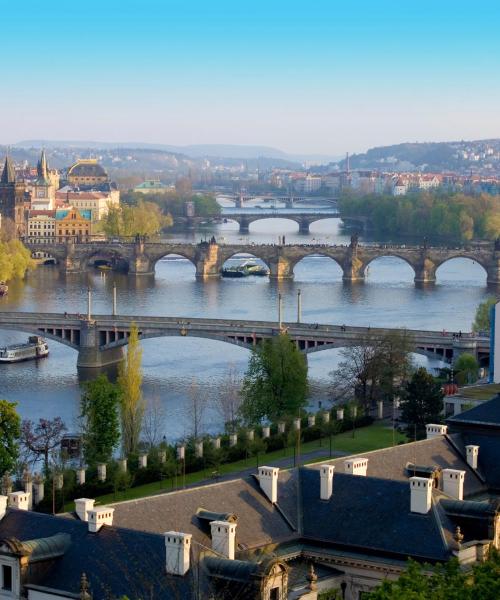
x=472 y=454
x=38 y=488
x=268 y=479
x=233 y=439
x=223 y=538
x=421 y=495
x=356 y=466
x=82 y=508
x=143 y=461
x=326 y=476
x=80 y=476
x=311 y=420
x=198 y=449
x=177 y=550
x=101 y=471
x=453 y=483
x=28 y=487
x=19 y=500
x=3 y=506
x=434 y=430
x=266 y=431
x=98 y=517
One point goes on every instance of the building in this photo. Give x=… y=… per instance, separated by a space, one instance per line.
x=308 y=184
x=346 y=524
x=87 y=173
x=42 y=226
x=151 y=186
x=73 y=225
x=43 y=190
x=12 y=193
x=97 y=202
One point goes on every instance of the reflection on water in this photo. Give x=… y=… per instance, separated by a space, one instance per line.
x=388 y=297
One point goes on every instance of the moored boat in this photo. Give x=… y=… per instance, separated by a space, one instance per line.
x=4 y=288
x=36 y=347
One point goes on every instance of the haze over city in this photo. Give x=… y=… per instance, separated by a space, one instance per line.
x=328 y=77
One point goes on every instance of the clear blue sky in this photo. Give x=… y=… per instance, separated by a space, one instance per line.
x=310 y=76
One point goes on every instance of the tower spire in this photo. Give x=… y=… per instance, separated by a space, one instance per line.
x=8 y=173
x=42 y=169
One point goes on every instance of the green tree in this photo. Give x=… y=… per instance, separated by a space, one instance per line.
x=145 y=218
x=132 y=404
x=15 y=260
x=10 y=431
x=275 y=384
x=466 y=367
x=422 y=402
x=101 y=424
x=444 y=582
x=482 y=318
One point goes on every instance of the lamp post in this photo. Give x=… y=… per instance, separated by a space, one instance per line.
x=89 y=303
x=299 y=306
x=114 y=299
x=280 y=311
x=354 y=415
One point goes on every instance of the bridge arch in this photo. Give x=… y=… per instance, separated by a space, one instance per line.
x=173 y=255
x=246 y=254
x=334 y=264
x=53 y=334
x=450 y=259
x=387 y=254
x=106 y=256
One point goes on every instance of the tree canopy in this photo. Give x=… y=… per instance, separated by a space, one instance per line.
x=15 y=260
x=173 y=202
x=466 y=368
x=101 y=424
x=275 y=384
x=446 y=582
x=422 y=402
x=10 y=430
x=482 y=317
x=145 y=218
x=434 y=214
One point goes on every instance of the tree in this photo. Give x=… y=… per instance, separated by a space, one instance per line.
x=196 y=409
x=422 y=402
x=373 y=369
x=229 y=399
x=101 y=424
x=146 y=218
x=445 y=582
x=15 y=260
x=275 y=383
x=466 y=367
x=153 y=425
x=40 y=439
x=482 y=318
x=10 y=430
x=132 y=403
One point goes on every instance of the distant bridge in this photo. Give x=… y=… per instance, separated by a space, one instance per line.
x=140 y=256
x=304 y=217
x=99 y=339
x=288 y=199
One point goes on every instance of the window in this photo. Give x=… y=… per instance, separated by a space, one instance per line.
x=274 y=594
x=6 y=577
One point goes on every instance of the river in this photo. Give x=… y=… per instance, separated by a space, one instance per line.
x=176 y=368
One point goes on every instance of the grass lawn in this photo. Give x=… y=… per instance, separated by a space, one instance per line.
x=480 y=392
x=373 y=437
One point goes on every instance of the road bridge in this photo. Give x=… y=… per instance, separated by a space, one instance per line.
x=304 y=217
x=139 y=256
x=288 y=199
x=99 y=339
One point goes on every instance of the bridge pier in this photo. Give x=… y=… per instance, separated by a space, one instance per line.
x=90 y=355
x=304 y=226
x=425 y=272
x=493 y=270
x=280 y=269
x=207 y=261
x=353 y=269
x=464 y=346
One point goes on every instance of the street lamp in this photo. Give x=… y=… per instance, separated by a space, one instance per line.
x=354 y=412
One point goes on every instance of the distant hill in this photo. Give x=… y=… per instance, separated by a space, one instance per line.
x=460 y=156
x=194 y=151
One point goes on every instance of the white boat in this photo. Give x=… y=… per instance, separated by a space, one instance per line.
x=36 y=347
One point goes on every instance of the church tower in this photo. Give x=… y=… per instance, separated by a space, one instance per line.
x=43 y=190
x=12 y=197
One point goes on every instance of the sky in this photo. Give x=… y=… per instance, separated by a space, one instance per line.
x=306 y=77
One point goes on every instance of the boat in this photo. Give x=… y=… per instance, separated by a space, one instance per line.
x=255 y=269
x=234 y=272
x=4 y=288
x=245 y=269
x=36 y=347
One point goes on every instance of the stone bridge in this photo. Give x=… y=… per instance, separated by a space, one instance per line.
x=303 y=218
x=99 y=339
x=140 y=257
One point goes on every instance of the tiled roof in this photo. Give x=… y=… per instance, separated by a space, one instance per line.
x=486 y=413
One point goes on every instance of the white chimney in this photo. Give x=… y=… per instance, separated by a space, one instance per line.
x=311 y=420
x=223 y=538
x=143 y=461
x=122 y=464
x=3 y=506
x=162 y=455
x=181 y=452
x=326 y=417
x=266 y=431
x=82 y=508
x=421 y=495
x=80 y=476
x=177 y=550
x=19 y=500
x=434 y=430
x=356 y=466
x=326 y=475
x=281 y=427
x=38 y=488
x=233 y=439
x=28 y=488
x=101 y=471
x=296 y=424
x=99 y=517
x=198 y=449
x=250 y=435
x=216 y=442
x=472 y=455
x=268 y=479
x=453 y=483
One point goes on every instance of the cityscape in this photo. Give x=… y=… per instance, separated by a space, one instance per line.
x=255 y=353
